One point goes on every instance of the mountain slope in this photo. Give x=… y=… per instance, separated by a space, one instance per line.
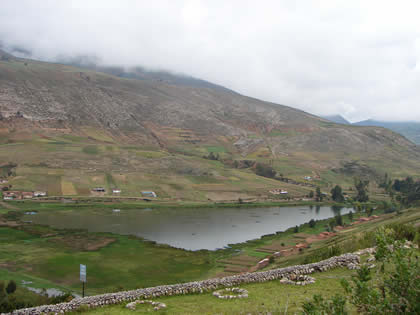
x=411 y=130
x=75 y=119
x=338 y=119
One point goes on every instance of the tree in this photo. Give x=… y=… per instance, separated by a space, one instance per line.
x=311 y=194
x=339 y=220
x=361 y=187
x=318 y=194
x=214 y=157
x=312 y=223
x=296 y=229
x=265 y=170
x=11 y=287
x=369 y=210
x=337 y=194
x=351 y=216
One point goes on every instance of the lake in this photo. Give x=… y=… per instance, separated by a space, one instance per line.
x=192 y=229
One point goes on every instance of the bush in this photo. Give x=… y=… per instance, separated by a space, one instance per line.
x=402 y=231
x=320 y=306
x=339 y=220
x=265 y=170
x=90 y=149
x=11 y=287
x=312 y=223
x=323 y=253
x=396 y=290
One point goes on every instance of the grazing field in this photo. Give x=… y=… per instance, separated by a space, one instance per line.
x=115 y=262
x=67 y=188
x=264 y=298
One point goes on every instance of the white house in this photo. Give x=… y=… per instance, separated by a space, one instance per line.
x=40 y=193
x=149 y=194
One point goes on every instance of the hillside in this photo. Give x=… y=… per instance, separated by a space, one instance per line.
x=409 y=129
x=338 y=119
x=91 y=128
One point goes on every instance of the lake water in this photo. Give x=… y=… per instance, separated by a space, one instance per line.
x=191 y=229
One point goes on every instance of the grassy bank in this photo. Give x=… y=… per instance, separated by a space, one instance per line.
x=111 y=204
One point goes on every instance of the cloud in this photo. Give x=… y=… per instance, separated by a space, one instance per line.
x=357 y=58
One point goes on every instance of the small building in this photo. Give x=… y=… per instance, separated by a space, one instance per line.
x=116 y=191
x=27 y=194
x=278 y=191
x=99 y=189
x=308 y=178
x=3 y=181
x=11 y=195
x=40 y=194
x=150 y=194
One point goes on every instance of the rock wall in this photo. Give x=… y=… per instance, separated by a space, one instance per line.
x=192 y=287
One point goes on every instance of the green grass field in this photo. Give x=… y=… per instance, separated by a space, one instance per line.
x=264 y=298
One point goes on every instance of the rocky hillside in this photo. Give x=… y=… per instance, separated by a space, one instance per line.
x=409 y=129
x=45 y=98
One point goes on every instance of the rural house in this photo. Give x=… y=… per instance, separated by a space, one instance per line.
x=40 y=193
x=99 y=189
x=150 y=194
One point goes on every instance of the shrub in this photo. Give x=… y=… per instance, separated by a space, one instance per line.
x=312 y=223
x=90 y=149
x=339 y=220
x=11 y=287
x=396 y=290
x=265 y=170
x=337 y=305
x=402 y=231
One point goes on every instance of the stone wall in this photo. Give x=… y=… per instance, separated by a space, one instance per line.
x=192 y=287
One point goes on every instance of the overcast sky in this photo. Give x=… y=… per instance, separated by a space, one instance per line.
x=357 y=58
